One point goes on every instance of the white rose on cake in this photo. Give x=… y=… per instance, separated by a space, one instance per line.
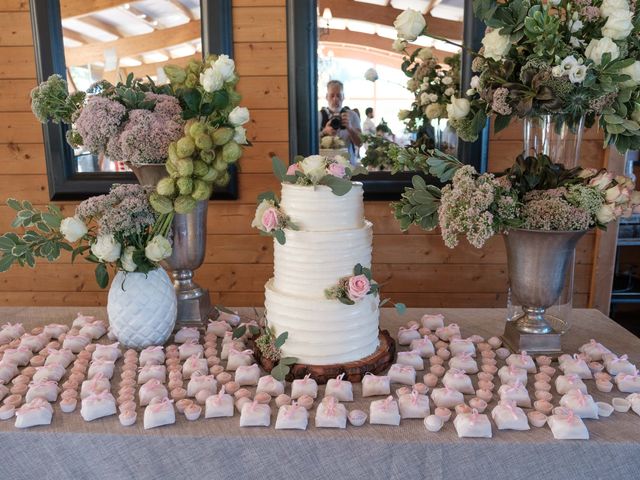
x=496 y=45
x=314 y=167
x=239 y=116
x=619 y=25
x=211 y=80
x=410 y=24
x=458 y=108
x=126 y=260
x=597 y=48
x=225 y=66
x=158 y=249
x=106 y=248
x=73 y=229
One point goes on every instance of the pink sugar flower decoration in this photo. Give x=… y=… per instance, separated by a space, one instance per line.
x=270 y=219
x=358 y=287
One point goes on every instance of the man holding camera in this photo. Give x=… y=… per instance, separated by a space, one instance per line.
x=336 y=120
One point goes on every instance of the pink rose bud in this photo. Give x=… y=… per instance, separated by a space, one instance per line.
x=293 y=168
x=358 y=287
x=337 y=170
x=270 y=219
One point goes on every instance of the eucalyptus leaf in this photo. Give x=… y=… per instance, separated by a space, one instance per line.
x=239 y=332
x=279 y=342
x=339 y=186
x=288 y=360
x=280 y=372
x=401 y=308
x=5 y=262
x=102 y=275
x=279 y=168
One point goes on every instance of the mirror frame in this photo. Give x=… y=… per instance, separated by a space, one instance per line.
x=64 y=182
x=302 y=53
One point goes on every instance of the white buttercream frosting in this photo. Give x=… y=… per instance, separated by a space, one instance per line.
x=318 y=209
x=321 y=331
x=311 y=262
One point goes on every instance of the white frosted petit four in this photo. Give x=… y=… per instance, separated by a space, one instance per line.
x=464 y=361
x=270 y=385
x=446 y=397
x=423 y=346
x=462 y=345
x=564 y=383
x=19 y=356
x=340 y=389
x=7 y=371
x=522 y=360
x=189 y=349
x=594 y=350
x=472 y=425
x=10 y=332
x=98 y=405
x=4 y=391
x=36 y=412
x=404 y=374
x=331 y=414
x=53 y=371
x=516 y=392
x=159 y=412
x=194 y=363
x=508 y=416
x=219 y=405
x=448 y=332
x=408 y=334
x=237 y=345
x=75 y=343
x=47 y=389
x=512 y=374
x=304 y=386
x=62 y=356
x=413 y=405
x=458 y=380
x=254 y=414
x=147 y=372
x=81 y=320
x=373 y=385
x=33 y=342
x=249 y=375
x=616 y=365
x=384 y=412
x=237 y=358
x=152 y=355
x=628 y=383
x=200 y=382
x=432 y=321
x=218 y=327
x=54 y=330
x=232 y=319
x=150 y=390
x=105 y=367
x=97 y=384
x=187 y=334
x=576 y=366
x=565 y=425
x=94 y=330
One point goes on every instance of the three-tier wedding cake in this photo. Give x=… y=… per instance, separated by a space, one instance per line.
x=331 y=237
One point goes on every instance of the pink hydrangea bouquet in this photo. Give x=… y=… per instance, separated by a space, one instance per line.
x=574 y=59
x=534 y=194
x=354 y=288
x=119 y=229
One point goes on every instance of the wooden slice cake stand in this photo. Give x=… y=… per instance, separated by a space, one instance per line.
x=376 y=363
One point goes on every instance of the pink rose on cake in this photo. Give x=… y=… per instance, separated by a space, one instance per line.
x=266 y=218
x=337 y=170
x=358 y=287
x=293 y=168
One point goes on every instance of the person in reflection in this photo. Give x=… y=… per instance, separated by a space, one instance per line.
x=339 y=120
x=368 y=127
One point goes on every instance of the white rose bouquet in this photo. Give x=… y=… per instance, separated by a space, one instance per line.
x=120 y=229
x=573 y=59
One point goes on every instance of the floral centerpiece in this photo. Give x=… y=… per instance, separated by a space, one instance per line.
x=573 y=59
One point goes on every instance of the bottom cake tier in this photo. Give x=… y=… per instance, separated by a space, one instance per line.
x=321 y=331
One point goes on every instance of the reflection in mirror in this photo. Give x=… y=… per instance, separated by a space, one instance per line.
x=363 y=87
x=136 y=38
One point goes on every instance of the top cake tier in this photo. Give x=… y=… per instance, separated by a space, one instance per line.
x=318 y=209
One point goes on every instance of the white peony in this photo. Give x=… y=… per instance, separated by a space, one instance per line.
x=425 y=53
x=424 y=98
x=399 y=45
x=475 y=82
x=158 y=249
x=496 y=45
x=239 y=116
x=578 y=74
x=240 y=135
x=610 y=6
x=458 y=108
x=619 y=25
x=606 y=214
x=73 y=229
x=597 y=48
x=314 y=167
x=434 y=111
x=410 y=24
x=634 y=72
x=126 y=260
x=449 y=91
x=211 y=80
x=447 y=81
x=106 y=248
x=225 y=66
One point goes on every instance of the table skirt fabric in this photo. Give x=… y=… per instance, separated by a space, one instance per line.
x=220 y=449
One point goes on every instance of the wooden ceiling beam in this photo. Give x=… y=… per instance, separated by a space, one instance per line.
x=100 y=25
x=75 y=36
x=78 y=8
x=386 y=15
x=185 y=11
x=127 y=46
x=150 y=69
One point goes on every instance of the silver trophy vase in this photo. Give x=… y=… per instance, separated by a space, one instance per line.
x=189 y=245
x=538 y=262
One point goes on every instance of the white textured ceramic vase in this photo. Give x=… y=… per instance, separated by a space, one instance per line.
x=142 y=308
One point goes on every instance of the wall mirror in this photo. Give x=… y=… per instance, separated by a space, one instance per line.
x=351 y=41
x=86 y=41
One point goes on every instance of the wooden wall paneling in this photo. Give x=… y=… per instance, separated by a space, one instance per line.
x=263 y=92
x=261 y=59
x=15 y=95
x=259 y=24
x=17 y=62
x=15 y=29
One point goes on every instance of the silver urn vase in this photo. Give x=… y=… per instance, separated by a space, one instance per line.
x=538 y=262
x=189 y=246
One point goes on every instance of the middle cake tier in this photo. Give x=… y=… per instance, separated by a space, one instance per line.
x=310 y=262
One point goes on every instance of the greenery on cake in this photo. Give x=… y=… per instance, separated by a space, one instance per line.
x=270 y=219
x=335 y=173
